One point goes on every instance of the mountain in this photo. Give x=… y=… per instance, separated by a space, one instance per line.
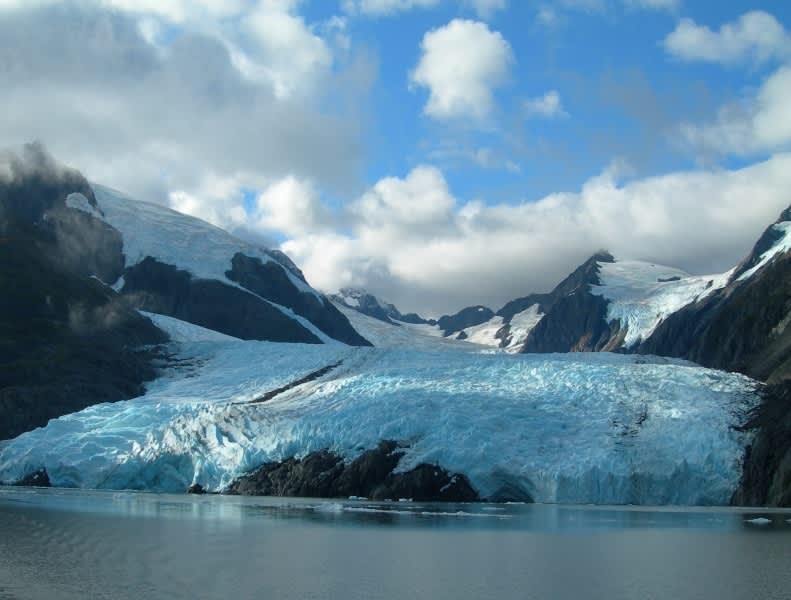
x=77 y=263
x=368 y=304
x=557 y=317
x=183 y=267
x=743 y=325
x=67 y=341
x=103 y=293
x=735 y=321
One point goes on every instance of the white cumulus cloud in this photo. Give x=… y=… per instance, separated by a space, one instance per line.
x=291 y=206
x=755 y=37
x=759 y=124
x=461 y=65
x=234 y=100
x=412 y=242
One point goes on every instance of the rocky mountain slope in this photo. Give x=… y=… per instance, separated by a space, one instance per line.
x=370 y=305
x=77 y=261
x=66 y=340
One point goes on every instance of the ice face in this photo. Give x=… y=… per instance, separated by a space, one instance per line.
x=566 y=428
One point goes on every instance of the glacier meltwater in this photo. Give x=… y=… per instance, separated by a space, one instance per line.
x=574 y=428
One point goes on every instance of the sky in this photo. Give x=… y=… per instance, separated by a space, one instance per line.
x=439 y=153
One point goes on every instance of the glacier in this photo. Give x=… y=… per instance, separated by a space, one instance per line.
x=571 y=428
x=641 y=295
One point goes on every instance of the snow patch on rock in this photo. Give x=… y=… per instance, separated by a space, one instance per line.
x=80 y=202
x=782 y=245
x=177 y=239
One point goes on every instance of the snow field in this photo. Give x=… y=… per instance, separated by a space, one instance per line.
x=642 y=295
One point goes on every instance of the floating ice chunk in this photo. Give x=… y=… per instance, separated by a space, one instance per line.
x=759 y=521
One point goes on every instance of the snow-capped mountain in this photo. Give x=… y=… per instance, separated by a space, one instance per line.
x=184 y=267
x=436 y=410
x=77 y=259
x=741 y=324
x=735 y=320
x=510 y=327
x=368 y=304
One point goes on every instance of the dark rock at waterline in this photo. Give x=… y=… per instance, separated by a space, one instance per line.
x=766 y=480
x=38 y=478
x=323 y=474
x=197 y=489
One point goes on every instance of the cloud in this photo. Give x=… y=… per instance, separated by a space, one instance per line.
x=181 y=122
x=279 y=48
x=384 y=8
x=759 y=124
x=553 y=13
x=547 y=106
x=412 y=242
x=670 y=5
x=388 y=8
x=755 y=37
x=485 y=9
x=462 y=64
x=291 y=206
x=417 y=205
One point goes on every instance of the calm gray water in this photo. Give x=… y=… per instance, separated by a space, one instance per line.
x=77 y=544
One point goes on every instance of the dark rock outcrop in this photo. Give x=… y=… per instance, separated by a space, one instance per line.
x=371 y=306
x=743 y=327
x=270 y=281
x=466 y=317
x=66 y=340
x=156 y=287
x=38 y=478
x=575 y=320
x=323 y=474
x=196 y=489
x=767 y=464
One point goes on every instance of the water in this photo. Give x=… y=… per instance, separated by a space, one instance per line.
x=80 y=544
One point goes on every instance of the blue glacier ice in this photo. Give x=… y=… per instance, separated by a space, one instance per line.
x=574 y=428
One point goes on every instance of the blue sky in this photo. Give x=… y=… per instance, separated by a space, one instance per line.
x=440 y=153
x=622 y=92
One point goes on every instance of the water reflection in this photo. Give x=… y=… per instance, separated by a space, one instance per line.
x=235 y=511
x=81 y=544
